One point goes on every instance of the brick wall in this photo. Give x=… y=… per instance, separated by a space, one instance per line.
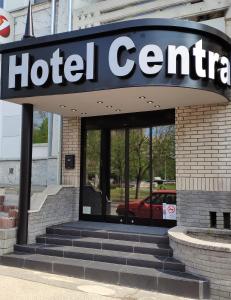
x=203 y=163
x=57 y=208
x=7 y=240
x=71 y=145
x=208 y=259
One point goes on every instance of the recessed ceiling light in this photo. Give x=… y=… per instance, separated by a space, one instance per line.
x=73 y=109
x=99 y=102
x=118 y=109
x=142 y=97
x=62 y=106
x=157 y=106
x=150 y=102
x=109 y=106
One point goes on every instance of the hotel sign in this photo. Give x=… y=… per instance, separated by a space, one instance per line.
x=134 y=53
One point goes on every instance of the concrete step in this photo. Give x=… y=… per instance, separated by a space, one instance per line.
x=105 y=234
x=106 y=244
x=169 y=282
x=109 y=256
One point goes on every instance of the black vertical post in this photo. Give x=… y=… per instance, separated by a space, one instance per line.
x=126 y=171
x=150 y=170
x=25 y=172
x=105 y=170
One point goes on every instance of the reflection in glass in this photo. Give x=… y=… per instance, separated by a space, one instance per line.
x=151 y=155
x=163 y=139
x=164 y=175
x=139 y=178
x=92 y=196
x=93 y=158
x=117 y=168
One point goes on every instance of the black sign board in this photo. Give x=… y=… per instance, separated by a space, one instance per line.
x=149 y=52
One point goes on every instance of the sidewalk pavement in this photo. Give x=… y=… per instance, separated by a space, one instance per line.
x=22 y=284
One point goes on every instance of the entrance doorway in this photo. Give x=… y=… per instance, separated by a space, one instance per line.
x=128 y=169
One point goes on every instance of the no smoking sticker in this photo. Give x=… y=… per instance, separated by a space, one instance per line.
x=169 y=211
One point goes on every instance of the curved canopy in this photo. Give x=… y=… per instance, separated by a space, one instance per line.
x=131 y=66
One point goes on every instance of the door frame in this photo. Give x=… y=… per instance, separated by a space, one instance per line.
x=126 y=122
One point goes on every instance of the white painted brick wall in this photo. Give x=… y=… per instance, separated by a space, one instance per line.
x=71 y=145
x=211 y=264
x=57 y=209
x=203 y=148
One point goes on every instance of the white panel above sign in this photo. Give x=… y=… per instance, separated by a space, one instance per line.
x=218 y=23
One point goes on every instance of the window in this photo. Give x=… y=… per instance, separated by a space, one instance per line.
x=39 y=1
x=11 y=171
x=158 y=198
x=170 y=199
x=11 y=5
x=162 y=198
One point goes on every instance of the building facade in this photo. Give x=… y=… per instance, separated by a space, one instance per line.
x=103 y=12
x=138 y=145
x=45 y=165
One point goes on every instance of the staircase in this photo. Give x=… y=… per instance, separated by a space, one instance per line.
x=131 y=259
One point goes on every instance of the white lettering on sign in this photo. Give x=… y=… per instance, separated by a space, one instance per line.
x=56 y=62
x=39 y=72
x=22 y=69
x=73 y=68
x=151 y=59
x=181 y=61
x=225 y=70
x=113 y=57
x=199 y=53
x=173 y=54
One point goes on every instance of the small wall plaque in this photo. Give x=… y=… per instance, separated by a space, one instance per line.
x=69 y=162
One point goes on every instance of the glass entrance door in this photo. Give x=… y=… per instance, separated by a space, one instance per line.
x=117 y=183
x=129 y=175
x=139 y=211
x=92 y=198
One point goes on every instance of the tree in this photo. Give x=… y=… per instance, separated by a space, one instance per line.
x=118 y=159
x=40 y=134
x=139 y=156
x=163 y=138
x=93 y=156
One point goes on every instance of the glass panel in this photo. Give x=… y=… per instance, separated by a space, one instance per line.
x=164 y=174
x=139 y=164
x=92 y=196
x=117 y=169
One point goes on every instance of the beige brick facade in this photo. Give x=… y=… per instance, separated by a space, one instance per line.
x=203 y=148
x=71 y=145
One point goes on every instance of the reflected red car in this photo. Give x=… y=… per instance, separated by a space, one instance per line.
x=150 y=206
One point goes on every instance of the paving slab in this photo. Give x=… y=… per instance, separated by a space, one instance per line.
x=35 y=285
x=118 y=227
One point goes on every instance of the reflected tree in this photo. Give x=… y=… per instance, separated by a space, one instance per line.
x=93 y=157
x=139 y=157
x=163 y=138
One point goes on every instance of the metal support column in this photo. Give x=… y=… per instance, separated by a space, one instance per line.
x=70 y=9
x=25 y=172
